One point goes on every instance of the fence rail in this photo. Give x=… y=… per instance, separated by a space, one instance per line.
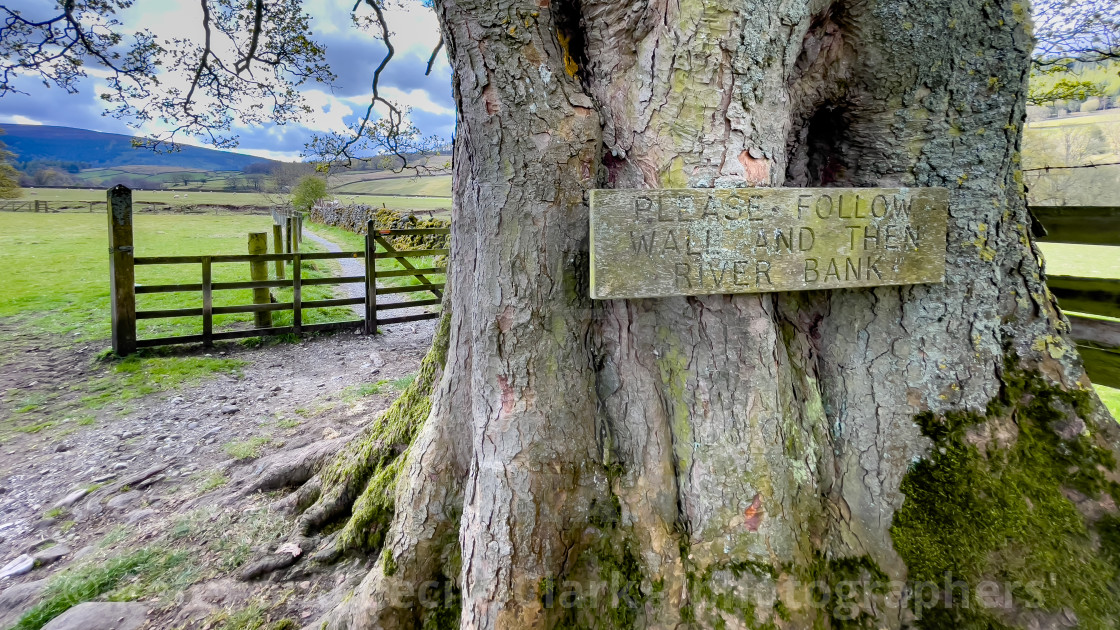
x=1098 y=340
x=287 y=235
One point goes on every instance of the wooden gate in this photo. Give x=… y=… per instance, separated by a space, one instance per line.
x=123 y=287
x=1098 y=340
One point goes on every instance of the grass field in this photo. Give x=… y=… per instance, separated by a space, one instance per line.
x=435 y=186
x=59 y=271
x=1104 y=116
x=1078 y=139
x=185 y=199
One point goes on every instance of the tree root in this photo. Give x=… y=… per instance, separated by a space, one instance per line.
x=289 y=469
x=353 y=477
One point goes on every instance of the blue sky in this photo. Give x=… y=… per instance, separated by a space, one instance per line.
x=351 y=54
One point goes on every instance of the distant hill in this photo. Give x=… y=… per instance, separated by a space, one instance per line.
x=67 y=144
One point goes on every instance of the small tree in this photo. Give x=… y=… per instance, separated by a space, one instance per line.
x=9 y=177
x=309 y=190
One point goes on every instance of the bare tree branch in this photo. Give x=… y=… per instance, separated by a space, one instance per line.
x=432 y=59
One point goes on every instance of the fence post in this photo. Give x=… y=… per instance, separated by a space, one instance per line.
x=258 y=271
x=371 y=281
x=287 y=235
x=277 y=248
x=122 y=274
x=207 y=304
x=297 y=294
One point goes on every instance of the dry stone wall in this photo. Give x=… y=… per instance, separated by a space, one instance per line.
x=354 y=217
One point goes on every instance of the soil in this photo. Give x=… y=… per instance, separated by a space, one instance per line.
x=170 y=458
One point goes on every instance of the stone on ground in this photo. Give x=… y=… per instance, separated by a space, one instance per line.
x=16 y=600
x=101 y=616
x=20 y=566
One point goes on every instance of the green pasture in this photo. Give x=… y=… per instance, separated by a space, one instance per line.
x=1101 y=117
x=58 y=271
x=188 y=199
x=433 y=186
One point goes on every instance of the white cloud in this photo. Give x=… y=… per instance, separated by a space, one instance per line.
x=19 y=120
x=416 y=99
x=415 y=33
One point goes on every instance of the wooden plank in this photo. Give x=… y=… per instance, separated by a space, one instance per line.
x=252 y=332
x=371 y=281
x=408 y=318
x=1085 y=225
x=251 y=284
x=297 y=293
x=167 y=260
x=391 y=251
x=1098 y=296
x=398 y=273
x=169 y=341
x=396 y=305
x=334 y=280
x=1102 y=365
x=241 y=258
x=251 y=308
x=169 y=312
x=248 y=258
x=207 y=304
x=141 y=289
x=410 y=289
x=331 y=255
x=122 y=274
x=412 y=253
x=332 y=302
x=1097 y=331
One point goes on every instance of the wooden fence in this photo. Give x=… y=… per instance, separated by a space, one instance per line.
x=124 y=289
x=1098 y=340
x=25 y=205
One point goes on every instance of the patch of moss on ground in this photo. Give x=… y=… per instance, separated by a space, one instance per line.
x=1000 y=515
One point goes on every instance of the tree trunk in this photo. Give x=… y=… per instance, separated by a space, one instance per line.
x=780 y=460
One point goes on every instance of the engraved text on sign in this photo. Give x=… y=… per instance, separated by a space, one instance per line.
x=655 y=243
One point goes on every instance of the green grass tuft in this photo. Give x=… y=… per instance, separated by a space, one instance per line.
x=89 y=582
x=246 y=449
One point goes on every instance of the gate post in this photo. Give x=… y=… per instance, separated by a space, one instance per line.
x=371 y=281
x=122 y=274
x=258 y=271
x=278 y=248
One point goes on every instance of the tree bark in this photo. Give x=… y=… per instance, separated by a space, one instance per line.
x=722 y=461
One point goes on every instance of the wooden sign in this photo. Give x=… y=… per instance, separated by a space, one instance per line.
x=656 y=243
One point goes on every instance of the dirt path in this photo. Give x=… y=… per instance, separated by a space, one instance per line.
x=350 y=267
x=353 y=267
x=90 y=483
